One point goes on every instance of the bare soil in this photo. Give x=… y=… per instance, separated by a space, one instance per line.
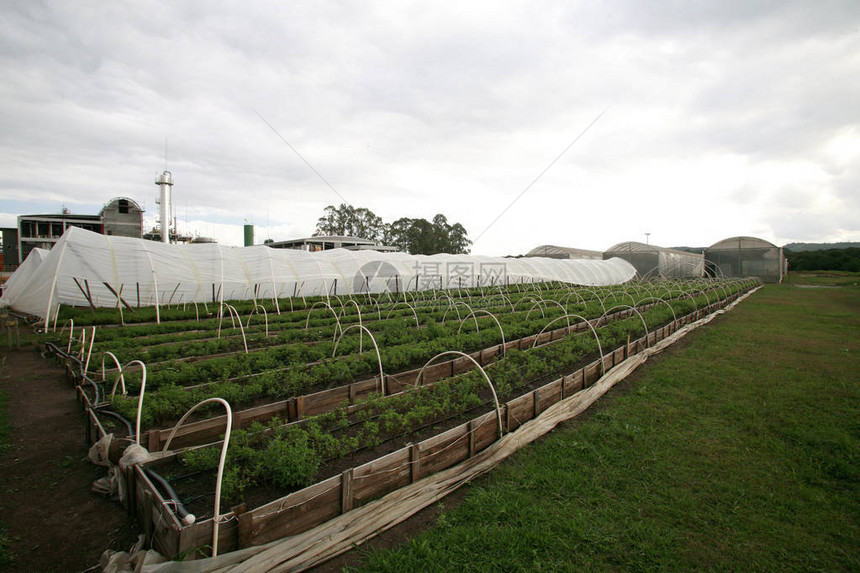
x=54 y=521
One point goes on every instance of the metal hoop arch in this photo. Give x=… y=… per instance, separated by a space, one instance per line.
x=334 y=314
x=454 y=306
x=265 y=315
x=121 y=378
x=140 y=396
x=378 y=355
x=233 y=312
x=674 y=316
x=593 y=331
x=644 y=324
x=483 y=372
x=412 y=308
x=491 y=315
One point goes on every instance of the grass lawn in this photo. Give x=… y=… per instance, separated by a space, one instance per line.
x=739 y=450
x=823 y=278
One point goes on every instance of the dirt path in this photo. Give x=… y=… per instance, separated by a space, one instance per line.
x=54 y=521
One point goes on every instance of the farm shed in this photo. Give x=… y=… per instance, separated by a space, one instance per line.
x=88 y=268
x=746 y=257
x=652 y=261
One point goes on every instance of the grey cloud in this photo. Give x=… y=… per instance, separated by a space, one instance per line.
x=795 y=18
x=411 y=107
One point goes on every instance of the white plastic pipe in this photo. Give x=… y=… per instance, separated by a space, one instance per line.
x=221 y=461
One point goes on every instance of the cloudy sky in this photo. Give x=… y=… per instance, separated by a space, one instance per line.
x=719 y=118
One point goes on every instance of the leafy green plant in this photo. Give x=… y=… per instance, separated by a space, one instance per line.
x=278 y=372
x=289 y=460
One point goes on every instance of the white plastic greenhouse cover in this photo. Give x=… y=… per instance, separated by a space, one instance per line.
x=152 y=273
x=21 y=277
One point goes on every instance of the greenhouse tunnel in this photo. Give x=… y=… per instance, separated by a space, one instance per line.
x=86 y=268
x=652 y=261
x=746 y=257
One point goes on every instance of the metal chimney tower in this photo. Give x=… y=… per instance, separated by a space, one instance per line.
x=164 y=182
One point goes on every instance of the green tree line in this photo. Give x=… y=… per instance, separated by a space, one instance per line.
x=825 y=260
x=414 y=236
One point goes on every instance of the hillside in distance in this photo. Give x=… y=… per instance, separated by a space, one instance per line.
x=801 y=247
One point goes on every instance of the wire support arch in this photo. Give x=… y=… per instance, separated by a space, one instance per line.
x=491 y=315
x=420 y=375
x=642 y=318
x=221 y=462
x=375 y=346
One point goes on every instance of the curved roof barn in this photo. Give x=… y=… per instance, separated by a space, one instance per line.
x=652 y=261
x=746 y=257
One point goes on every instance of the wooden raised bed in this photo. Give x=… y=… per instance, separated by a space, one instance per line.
x=316 y=504
x=305 y=509
x=297 y=408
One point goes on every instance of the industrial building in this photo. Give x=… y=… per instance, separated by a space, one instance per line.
x=165 y=214
x=328 y=242
x=120 y=217
x=746 y=257
x=9 y=236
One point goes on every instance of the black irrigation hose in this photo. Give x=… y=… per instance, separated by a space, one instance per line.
x=116 y=416
x=95 y=389
x=181 y=512
x=61 y=352
x=56 y=349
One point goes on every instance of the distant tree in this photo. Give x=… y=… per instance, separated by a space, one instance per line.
x=459 y=238
x=825 y=260
x=333 y=221
x=421 y=237
x=415 y=236
x=397 y=234
x=441 y=234
x=346 y=220
x=367 y=225
x=424 y=238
